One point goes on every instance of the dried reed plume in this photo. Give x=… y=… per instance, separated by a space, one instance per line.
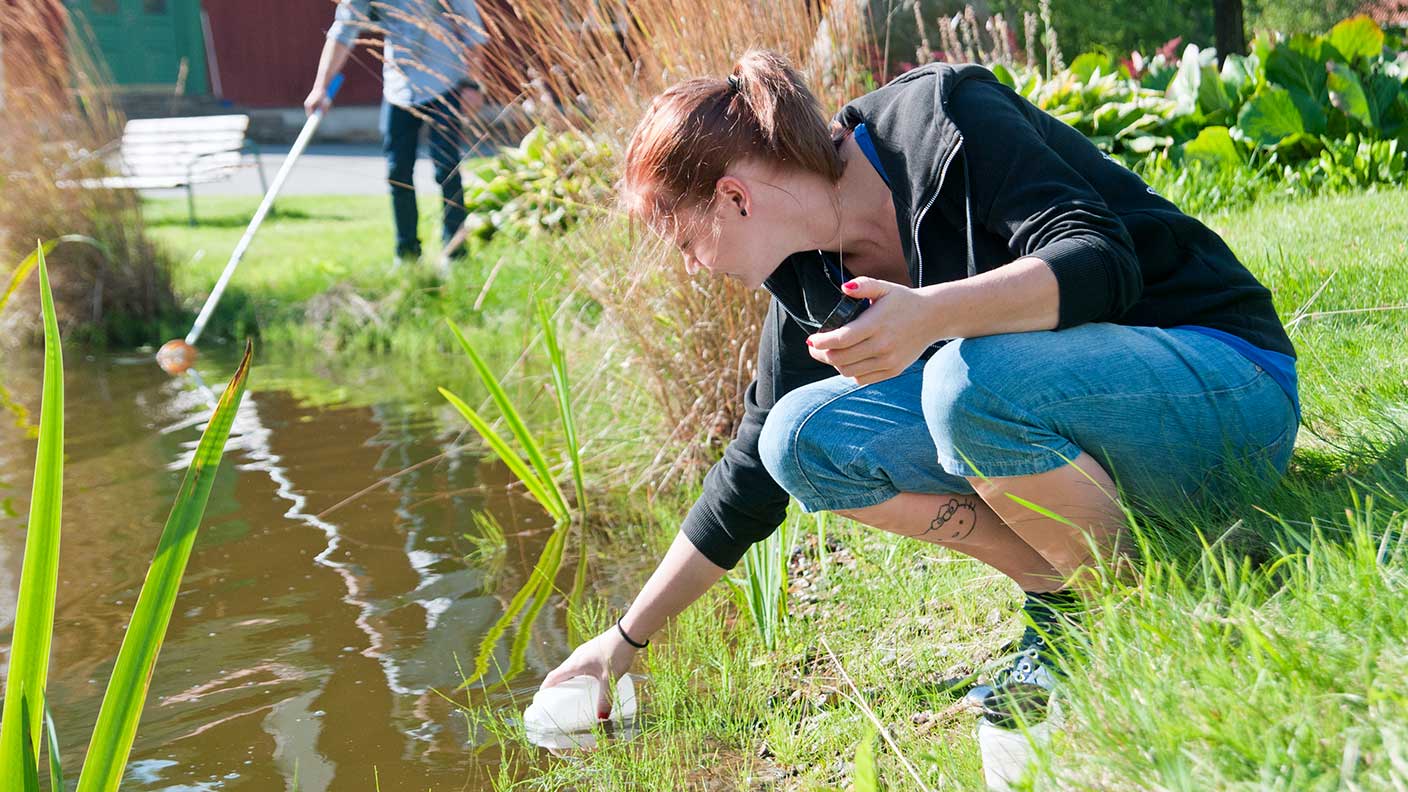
x=591 y=67
x=55 y=111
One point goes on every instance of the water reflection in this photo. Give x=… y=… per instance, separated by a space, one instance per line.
x=568 y=745
x=302 y=646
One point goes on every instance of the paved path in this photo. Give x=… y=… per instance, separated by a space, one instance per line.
x=328 y=169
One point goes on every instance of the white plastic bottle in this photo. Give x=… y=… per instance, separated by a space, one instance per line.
x=571 y=706
x=1008 y=752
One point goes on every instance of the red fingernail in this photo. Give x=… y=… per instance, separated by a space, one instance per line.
x=809 y=342
x=849 y=286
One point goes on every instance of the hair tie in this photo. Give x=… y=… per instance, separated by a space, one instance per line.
x=734 y=84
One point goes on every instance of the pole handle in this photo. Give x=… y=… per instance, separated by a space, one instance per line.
x=335 y=85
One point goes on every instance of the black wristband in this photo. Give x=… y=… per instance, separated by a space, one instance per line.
x=628 y=638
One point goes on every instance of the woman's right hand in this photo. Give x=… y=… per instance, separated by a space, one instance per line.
x=606 y=657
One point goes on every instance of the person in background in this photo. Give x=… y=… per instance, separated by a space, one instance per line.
x=430 y=53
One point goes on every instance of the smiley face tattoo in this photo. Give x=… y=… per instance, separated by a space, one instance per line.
x=954 y=521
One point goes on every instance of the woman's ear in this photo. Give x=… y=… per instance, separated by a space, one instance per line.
x=732 y=195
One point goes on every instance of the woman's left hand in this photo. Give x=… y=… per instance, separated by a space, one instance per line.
x=882 y=342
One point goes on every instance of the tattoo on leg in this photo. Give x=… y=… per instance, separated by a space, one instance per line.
x=954 y=521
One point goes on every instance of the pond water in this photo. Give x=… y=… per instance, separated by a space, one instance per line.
x=310 y=640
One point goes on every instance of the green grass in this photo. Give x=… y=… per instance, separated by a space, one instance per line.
x=319 y=274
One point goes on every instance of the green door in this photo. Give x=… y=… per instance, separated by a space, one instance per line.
x=143 y=41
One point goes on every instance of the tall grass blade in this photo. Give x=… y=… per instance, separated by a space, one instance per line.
x=22 y=272
x=515 y=423
x=30 y=779
x=34 y=611
x=558 y=366
x=56 y=769
x=867 y=777
x=536 y=487
x=131 y=675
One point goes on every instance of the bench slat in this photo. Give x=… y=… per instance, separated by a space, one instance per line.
x=188 y=124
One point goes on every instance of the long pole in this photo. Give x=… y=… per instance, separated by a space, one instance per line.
x=306 y=134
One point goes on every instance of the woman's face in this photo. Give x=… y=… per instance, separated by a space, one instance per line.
x=739 y=235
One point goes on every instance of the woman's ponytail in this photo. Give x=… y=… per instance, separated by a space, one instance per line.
x=695 y=130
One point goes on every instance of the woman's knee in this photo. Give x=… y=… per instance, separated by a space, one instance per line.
x=953 y=393
x=789 y=443
x=972 y=400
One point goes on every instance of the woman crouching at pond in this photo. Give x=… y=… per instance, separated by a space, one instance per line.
x=1039 y=323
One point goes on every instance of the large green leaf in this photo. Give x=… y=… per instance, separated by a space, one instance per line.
x=1239 y=74
x=1291 y=69
x=21 y=725
x=1270 y=116
x=1347 y=94
x=1312 y=111
x=1215 y=147
x=131 y=674
x=1086 y=64
x=1357 y=37
x=1383 y=93
x=1316 y=48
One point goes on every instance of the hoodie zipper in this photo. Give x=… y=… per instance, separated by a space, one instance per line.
x=943 y=175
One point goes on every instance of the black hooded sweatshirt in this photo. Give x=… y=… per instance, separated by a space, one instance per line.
x=981 y=177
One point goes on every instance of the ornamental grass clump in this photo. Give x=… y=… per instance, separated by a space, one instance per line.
x=58 y=114
x=586 y=70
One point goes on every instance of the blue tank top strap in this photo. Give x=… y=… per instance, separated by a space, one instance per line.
x=868 y=147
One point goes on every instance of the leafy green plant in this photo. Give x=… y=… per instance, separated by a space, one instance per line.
x=25 y=717
x=1301 y=113
x=530 y=466
x=762 y=591
x=545 y=183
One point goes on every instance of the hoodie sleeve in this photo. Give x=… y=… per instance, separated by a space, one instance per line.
x=741 y=503
x=1022 y=190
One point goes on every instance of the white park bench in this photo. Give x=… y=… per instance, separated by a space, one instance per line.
x=156 y=153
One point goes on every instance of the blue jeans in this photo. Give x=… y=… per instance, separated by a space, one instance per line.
x=400 y=135
x=1170 y=414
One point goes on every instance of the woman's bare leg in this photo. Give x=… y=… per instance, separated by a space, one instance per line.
x=997 y=527
x=966 y=524
x=1081 y=493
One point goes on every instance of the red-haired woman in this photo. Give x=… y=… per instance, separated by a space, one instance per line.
x=1037 y=324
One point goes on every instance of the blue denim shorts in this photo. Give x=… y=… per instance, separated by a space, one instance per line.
x=1170 y=414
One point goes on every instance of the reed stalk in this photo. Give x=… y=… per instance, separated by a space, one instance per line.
x=528 y=462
